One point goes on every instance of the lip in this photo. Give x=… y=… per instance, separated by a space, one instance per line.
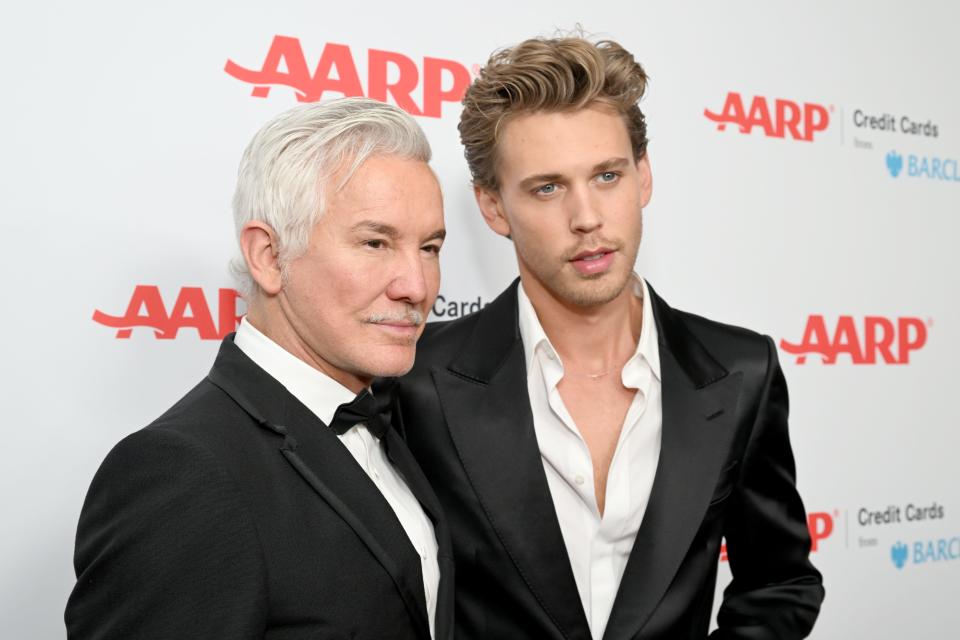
x=399 y=328
x=591 y=252
x=594 y=261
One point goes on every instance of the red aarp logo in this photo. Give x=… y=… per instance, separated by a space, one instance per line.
x=785 y=117
x=878 y=339
x=190 y=311
x=336 y=71
x=819 y=523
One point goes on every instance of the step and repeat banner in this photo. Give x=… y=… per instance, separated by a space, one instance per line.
x=806 y=185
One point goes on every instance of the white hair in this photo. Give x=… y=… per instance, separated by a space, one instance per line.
x=287 y=168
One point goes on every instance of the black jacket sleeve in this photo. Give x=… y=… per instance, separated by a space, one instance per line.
x=776 y=592
x=165 y=547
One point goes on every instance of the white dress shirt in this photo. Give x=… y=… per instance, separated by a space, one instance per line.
x=322 y=395
x=598 y=547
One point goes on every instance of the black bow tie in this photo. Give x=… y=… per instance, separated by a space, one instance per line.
x=363 y=409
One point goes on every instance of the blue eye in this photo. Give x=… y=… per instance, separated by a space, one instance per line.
x=608 y=176
x=547 y=189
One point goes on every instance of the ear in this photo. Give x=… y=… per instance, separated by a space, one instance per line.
x=260 y=249
x=646 y=180
x=491 y=207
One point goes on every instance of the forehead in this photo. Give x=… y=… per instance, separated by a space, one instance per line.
x=399 y=190
x=561 y=141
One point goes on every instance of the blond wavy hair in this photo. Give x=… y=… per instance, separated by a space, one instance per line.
x=556 y=74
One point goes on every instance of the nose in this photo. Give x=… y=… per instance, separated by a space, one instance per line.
x=583 y=211
x=409 y=282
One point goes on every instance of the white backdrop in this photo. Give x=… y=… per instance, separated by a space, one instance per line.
x=121 y=136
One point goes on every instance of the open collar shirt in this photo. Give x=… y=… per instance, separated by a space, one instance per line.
x=598 y=547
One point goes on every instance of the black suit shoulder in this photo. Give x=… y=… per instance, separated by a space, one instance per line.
x=162 y=515
x=210 y=418
x=444 y=339
x=735 y=348
x=206 y=413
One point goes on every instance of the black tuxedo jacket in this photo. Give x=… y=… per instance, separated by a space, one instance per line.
x=239 y=514
x=725 y=470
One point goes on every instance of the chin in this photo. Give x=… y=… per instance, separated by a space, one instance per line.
x=591 y=292
x=392 y=366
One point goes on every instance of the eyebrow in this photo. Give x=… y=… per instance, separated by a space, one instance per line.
x=540 y=178
x=377 y=227
x=611 y=163
x=439 y=234
x=392 y=232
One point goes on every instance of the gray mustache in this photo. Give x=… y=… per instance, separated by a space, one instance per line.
x=411 y=316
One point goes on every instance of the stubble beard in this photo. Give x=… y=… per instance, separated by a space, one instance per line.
x=570 y=287
x=591 y=290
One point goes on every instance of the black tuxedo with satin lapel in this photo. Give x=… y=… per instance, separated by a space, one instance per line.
x=239 y=514
x=725 y=469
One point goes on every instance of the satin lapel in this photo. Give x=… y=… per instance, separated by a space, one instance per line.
x=333 y=473
x=403 y=460
x=487 y=410
x=320 y=459
x=699 y=407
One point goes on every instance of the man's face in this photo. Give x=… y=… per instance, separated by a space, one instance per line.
x=358 y=297
x=570 y=197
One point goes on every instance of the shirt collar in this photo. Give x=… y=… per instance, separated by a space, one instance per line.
x=535 y=338
x=317 y=391
x=648 y=345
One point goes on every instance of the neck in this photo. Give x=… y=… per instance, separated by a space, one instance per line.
x=268 y=318
x=590 y=339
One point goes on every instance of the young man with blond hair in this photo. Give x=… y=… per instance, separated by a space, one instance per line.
x=591 y=445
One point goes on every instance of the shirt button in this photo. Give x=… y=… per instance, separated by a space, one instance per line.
x=579 y=479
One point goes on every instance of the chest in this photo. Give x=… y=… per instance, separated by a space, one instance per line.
x=597 y=430
x=598 y=408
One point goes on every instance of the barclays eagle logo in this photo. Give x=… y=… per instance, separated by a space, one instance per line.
x=898 y=552
x=894 y=163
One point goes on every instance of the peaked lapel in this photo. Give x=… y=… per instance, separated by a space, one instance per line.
x=400 y=456
x=317 y=455
x=699 y=403
x=487 y=409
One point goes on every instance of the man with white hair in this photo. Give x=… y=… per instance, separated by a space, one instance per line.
x=274 y=500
